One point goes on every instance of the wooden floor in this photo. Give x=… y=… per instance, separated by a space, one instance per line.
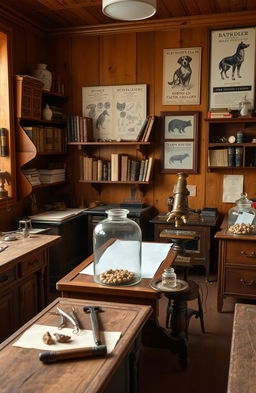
x=208 y=352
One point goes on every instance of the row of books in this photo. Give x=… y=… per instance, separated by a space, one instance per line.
x=230 y=157
x=47 y=139
x=44 y=176
x=146 y=129
x=119 y=168
x=79 y=129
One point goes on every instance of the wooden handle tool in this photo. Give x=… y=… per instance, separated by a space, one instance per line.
x=55 y=356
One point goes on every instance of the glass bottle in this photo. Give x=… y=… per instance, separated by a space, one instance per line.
x=117 y=250
x=169 y=278
x=243 y=212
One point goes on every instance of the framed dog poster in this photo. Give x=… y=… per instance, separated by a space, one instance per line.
x=179 y=142
x=232 y=67
x=181 y=76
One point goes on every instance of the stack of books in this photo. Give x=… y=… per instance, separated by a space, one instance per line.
x=146 y=129
x=47 y=139
x=219 y=113
x=79 y=129
x=52 y=175
x=118 y=168
x=33 y=176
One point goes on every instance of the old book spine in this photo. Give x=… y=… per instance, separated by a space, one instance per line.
x=3 y=142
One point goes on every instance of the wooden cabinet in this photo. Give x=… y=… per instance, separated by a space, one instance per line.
x=23 y=281
x=237 y=266
x=202 y=250
x=220 y=151
x=41 y=144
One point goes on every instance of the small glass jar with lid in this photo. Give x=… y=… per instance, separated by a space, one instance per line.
x=242 y=217
x=117 y=250
x=169 y=278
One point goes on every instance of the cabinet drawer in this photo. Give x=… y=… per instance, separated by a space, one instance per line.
x=240 y=282
x=30 y=264
x=241 y=252
x=7 y=277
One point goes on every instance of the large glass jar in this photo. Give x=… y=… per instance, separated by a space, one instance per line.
x=242 y=217
x=117 y=250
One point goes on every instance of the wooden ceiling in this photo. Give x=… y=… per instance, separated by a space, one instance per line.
x=54 y=14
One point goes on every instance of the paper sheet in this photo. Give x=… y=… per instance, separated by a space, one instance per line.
x=32 y=338
x=152 y=254
x=232 y=187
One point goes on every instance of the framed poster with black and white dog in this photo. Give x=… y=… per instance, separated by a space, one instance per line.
x=179 y=142
x=232 y=67
x=181 y=76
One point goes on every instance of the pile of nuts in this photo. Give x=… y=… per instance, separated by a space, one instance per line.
x=116 y=277
x=242 y=228
x=60 y=338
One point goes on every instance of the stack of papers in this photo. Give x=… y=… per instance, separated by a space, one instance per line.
x=52 y=175
x=33 y=176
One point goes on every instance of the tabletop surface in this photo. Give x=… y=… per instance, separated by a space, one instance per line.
x=23 y=246
x=225 y=234
x=21 y=370
x=242 y=376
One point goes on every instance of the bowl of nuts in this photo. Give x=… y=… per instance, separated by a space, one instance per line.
x=117 y=277
x=242 y=229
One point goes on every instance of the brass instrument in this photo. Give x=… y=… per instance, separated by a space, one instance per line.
x=179 y=212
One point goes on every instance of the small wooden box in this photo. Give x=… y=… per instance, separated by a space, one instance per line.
x=28 y=97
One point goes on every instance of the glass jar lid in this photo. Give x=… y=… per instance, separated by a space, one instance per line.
x=243 y=201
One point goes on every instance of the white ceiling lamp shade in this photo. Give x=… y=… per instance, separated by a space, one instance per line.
x=129 y=10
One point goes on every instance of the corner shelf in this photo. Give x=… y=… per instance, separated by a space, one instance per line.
x=224 y=128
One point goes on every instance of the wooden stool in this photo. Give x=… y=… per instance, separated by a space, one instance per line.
x=178 y=315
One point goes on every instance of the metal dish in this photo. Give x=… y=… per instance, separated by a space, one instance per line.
x=157 y=285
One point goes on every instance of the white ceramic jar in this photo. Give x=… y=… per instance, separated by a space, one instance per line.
x=44 y=75
x=47 y=113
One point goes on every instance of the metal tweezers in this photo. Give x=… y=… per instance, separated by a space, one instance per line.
x=72 y=318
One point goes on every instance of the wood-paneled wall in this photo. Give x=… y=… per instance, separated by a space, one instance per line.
x=125 y=58
x=130 y=58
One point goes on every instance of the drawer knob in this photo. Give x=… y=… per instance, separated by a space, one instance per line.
x=248 y=254
x=248 y=283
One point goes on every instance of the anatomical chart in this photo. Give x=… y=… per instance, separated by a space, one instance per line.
x=118 y=112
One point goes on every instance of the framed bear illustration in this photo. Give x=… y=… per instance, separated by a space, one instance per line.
x=179 y=142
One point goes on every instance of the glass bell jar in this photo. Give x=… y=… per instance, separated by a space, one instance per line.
x=117 y=250
x=242 y=217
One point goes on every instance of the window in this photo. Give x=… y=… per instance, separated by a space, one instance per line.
x=7 y=152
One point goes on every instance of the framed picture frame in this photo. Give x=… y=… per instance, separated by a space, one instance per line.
x=179 y=142
x=117 y=111
x=181 y=76
x=232 y=67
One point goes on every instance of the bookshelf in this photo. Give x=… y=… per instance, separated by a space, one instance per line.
x=136 y=153
x=40 y=143
x=225 y=155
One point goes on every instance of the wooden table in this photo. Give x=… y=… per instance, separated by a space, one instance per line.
x=242 y=376
x=21 y=370
x=24 y=280
x=77 y=285
x=237 y=266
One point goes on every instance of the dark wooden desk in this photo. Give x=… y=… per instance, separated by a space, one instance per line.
x=24 y=282
x=82 y=286
x=242 y=376
x=203 y=251
x=21 y=370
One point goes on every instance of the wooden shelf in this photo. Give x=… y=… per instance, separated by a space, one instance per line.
x=54 y=94
x=131 y=143
x=211 y=144
x=244 y=119
x=24 y=121
x=114 y=182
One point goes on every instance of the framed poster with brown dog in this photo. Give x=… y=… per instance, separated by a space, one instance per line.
x=232 y=67
x=181 y=76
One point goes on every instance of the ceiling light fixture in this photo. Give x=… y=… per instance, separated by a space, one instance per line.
x=129 y=10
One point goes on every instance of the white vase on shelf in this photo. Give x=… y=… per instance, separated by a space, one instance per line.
x=47 y=113
x=44 y=75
